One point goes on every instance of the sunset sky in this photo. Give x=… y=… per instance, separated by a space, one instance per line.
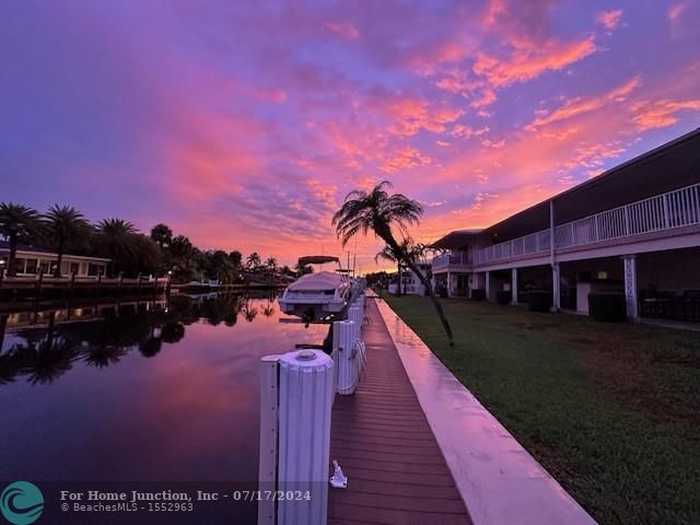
x=244 y=124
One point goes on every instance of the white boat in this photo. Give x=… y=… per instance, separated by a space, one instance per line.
x=321 y=296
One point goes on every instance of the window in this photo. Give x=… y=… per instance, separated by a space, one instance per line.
x=74 y=268
x=19 y=265
x=31 y=266
x=44 y=266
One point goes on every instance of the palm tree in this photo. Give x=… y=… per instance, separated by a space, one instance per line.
x=253 y=261
x=182 y=252
x=64 y=225
x=162 y=235
x=117 y=239
x=379 y=211
x=388 y=255
x=17 y=224
x=271 y=263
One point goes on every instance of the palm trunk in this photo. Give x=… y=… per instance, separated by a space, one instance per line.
x=436 y=304
x=388 y=238
x=59 y=262
x=13 y=254
x=399 y=272
x=3 y=328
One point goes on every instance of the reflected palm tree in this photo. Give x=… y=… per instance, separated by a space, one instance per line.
x=104 y=355
x=151 y=346
x=268 y=310
x=10 y=367
x=172 y=332
x=249 y=312
x=51 y=359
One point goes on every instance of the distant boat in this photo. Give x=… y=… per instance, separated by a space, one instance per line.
x=321 y=296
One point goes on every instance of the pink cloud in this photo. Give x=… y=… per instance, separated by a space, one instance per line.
x=609 y=19
x=405 y=158
x=463 y=131
x=344 y=30
x=409 y=115
x=580 y=105
x=676 y=10
x=661 y=113
x=526 y=63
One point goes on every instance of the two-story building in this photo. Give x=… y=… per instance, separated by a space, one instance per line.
x=410 y=283
x=634 y=229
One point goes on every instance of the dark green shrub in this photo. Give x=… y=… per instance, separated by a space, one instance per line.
x=504 y=296
x=607 y=306
x=539 y=300
x=478 y=294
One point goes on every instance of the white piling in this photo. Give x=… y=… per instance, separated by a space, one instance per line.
x=296 y=399
x=348 y=354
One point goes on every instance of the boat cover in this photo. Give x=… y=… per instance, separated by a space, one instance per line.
x=320 y=281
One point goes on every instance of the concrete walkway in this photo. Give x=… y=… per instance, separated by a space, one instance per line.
x=381 y=438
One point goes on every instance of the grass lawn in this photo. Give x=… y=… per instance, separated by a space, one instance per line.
x=612 y=411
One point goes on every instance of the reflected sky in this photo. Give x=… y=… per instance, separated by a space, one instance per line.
x=147 y=392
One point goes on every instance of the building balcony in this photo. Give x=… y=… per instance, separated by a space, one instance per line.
x=452 y=261
x=658 y=214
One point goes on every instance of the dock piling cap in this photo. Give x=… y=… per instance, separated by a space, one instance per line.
x=306 y=355
x=305 y=358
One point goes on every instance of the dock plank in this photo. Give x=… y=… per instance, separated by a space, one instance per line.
x=380 y=436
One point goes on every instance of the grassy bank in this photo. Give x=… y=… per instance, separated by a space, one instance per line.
x=611 y=410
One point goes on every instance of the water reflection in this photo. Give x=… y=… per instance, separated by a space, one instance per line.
x=43 y=345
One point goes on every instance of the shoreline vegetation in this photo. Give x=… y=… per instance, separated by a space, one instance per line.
x=609 y=410
x=161 y=253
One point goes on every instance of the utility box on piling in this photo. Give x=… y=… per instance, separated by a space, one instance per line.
x=297 y=390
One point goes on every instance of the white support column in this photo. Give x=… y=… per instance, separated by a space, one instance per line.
x=630 y=262
x=449 y=284
x=514 y=286
x=487 y=286
x=556 y=295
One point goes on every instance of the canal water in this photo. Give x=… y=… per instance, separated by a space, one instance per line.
x=147 y=391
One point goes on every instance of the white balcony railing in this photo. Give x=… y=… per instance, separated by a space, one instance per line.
x=456 y=258
x=667 y=211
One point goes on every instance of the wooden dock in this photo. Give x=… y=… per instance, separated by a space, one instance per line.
x=381 y=438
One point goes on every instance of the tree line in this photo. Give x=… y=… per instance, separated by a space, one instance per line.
x=65 y=230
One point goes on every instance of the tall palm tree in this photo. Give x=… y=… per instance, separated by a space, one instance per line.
x=162 y=235
x=18 y=223
x=64 y=225
x=117 y=239
x=379 y=212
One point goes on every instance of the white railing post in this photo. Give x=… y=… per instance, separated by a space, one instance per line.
x=667 y=223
